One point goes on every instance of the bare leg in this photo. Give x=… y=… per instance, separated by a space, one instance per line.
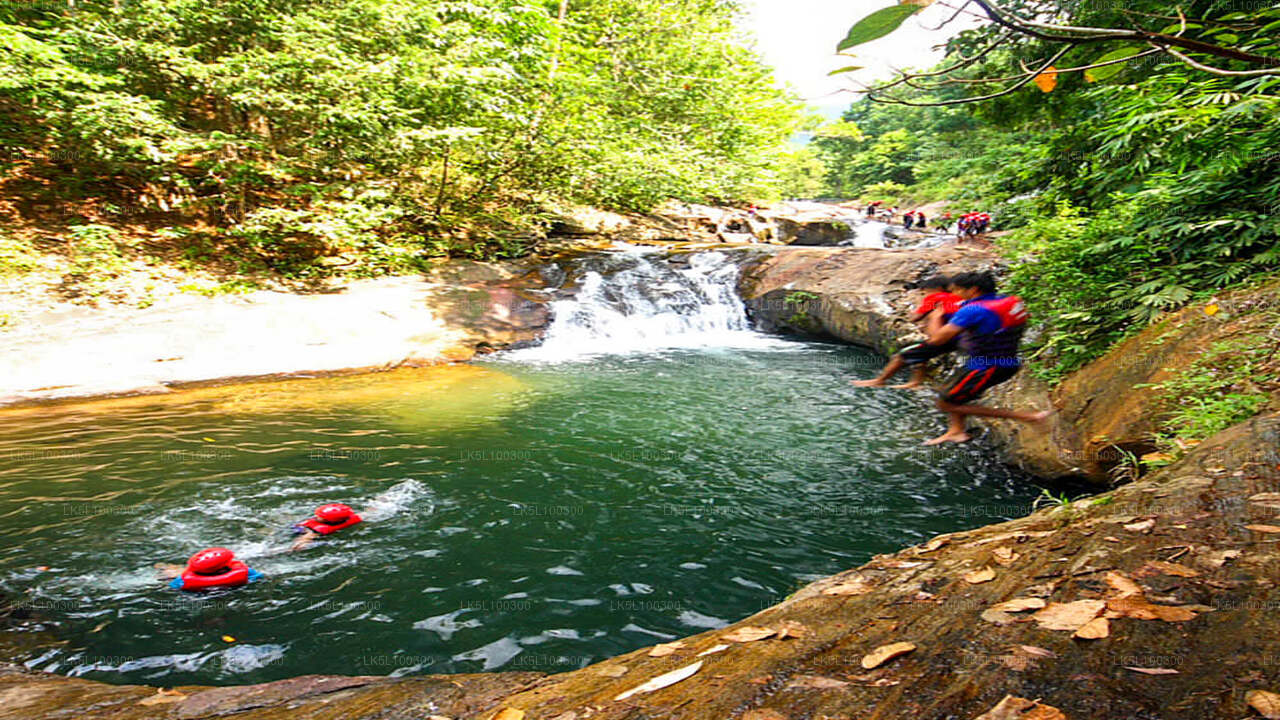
x=956 y=431
x=1026 y=417
x=168 y=571
x=303 y=541
x=895 y=364
x=917 y=379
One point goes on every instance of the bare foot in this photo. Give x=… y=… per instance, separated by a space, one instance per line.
x=873 y=382
x=907 y=385
x=949 y=438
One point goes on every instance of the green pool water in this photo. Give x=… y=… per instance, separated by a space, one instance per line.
x=521 y=514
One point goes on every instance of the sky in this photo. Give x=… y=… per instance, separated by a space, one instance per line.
x=798 y=38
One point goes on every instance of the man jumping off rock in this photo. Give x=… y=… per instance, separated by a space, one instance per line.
x=989 y=328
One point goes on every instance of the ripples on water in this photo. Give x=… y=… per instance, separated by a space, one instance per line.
x=521 y=515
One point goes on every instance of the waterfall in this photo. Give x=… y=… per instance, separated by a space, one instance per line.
x=645 y=300
x=867 y=234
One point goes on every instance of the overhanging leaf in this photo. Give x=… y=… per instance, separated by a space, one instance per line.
x=845 y=69
x=877 y=25
x=1103 y=73
x=1047 y=80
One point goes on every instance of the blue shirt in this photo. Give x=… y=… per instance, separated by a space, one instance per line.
x=979 y=320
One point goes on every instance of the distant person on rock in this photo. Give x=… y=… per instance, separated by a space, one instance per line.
x=989 y=328
x=920 y=220
x=907 y=217
x=934 y=311
x=943 y=222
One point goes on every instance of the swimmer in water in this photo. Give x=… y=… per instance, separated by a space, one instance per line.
x=327 y=520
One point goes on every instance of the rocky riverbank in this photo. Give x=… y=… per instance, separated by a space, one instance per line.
x=1155 y=600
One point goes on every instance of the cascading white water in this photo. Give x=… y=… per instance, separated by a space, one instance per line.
x=638 y=301
x=867 y=234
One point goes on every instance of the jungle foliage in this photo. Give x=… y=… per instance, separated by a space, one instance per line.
x=388 y=128
x=1131 y=190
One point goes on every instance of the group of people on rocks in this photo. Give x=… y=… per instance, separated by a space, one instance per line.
x=964 y=313
x=968 y=225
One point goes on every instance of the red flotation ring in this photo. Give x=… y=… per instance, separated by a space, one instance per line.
x=213 y=568
x=330 y=519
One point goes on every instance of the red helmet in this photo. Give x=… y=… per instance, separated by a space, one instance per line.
x=333 y=513
x=210 y=561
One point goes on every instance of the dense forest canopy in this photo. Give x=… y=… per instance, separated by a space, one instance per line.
x=1133 y=188
x=388 y=126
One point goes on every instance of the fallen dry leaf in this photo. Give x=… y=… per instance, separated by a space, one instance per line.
x=763 y=714
x=815 y=682
x=1266 y=499
x=508 y=714
x=661 y=681
x=1152 y=671
x=1016 y=663
x=1004 y=556
x=570 y=715
x=1095 y=629
x=1122 y=584
x=885 y=653
x=1037 y=651
x=933 y=544
x=163 y=696
x=1016 y=708
x=1019 y=605
x=665 y=649
x=1068 y=616
x=980 y=576
x=1160 y=567
x=856 y=585
x=749 y=633
x=997 y=617
x=1140 y=609
x=1221 y=557
x=1141 y=525
x=792 y=629
x=714 y=649
x=1265 y=702
x=1263 y=528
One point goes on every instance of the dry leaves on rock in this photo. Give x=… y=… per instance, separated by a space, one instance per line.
x=749 y=633
x=1022 y=657
x=977 y=577
x=1068 y=616
x=163 y=696
x=1266 y=499
x=662 y=681
x=933 y=544
x=1019 y=605
x=1152 y=671
x=815 y=682
x=1095 y=629
x=1122 y=584
x=1141 y=525
x=714 y=649
x=1221 y=557
x=1263 y=528
x=1160 y=567
x=612 y=671
x=1004 y=556
x=1140 y=609
x=856 y=585
x=1016 y=708
x=1266 y=703
x=665 y=649
x=885 y=653
x=508 y=714
x=997 y=617
x=763 y=714
x=792 y=629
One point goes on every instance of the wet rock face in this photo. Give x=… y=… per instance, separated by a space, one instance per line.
x=800 y=231
x=1104 y=410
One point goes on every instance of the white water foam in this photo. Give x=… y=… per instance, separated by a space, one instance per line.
x=649 y=302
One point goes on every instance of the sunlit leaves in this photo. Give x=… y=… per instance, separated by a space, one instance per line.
x=877 y=25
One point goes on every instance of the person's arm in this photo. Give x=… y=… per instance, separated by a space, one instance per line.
x=305 y=539
x=935 y=322
x=944 y=334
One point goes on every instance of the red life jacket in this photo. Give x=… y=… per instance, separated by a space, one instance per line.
x=319 y=526
x=1004 y=342
x=236 y=573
